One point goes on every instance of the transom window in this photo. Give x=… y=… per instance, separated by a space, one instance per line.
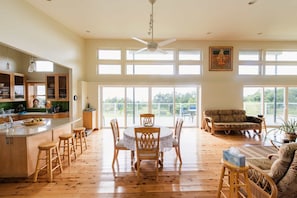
x=44 y=66
x=267 y=62
x=172 y=62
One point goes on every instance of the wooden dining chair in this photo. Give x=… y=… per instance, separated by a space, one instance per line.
x=147 y=146
x=176 y=138
x=147 y=119
x=118 y=143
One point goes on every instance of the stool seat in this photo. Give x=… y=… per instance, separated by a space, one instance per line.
x=66 y=141
x=49 y=153
x=47 y=145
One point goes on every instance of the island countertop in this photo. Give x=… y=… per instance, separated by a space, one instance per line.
x=18 y=129
x=19 y=144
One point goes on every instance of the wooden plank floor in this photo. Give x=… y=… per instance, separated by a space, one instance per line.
x=91 y=174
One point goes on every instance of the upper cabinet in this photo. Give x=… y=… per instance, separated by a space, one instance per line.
x=5 y=86
x=19 y=87
x=57 y=87
x=12 y=86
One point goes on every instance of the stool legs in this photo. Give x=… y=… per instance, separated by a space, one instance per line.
x=51 y=156
x=67 y=142
x=234 y=182
x=80 y=138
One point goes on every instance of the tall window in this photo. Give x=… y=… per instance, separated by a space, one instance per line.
x=275 y=103
x=167 y=103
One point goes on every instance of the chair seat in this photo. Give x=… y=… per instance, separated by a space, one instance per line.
x=174 y=142
x=120 y=144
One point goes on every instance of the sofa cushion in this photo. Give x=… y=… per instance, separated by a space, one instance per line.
x=280 y=166
x=287 y=187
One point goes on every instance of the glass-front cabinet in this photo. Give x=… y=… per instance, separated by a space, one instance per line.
x=57 y=87
x=19 y=87
x=12 y=86
x=5 y=86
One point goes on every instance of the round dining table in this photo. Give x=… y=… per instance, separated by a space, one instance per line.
x=165 y=141
x=165 y=138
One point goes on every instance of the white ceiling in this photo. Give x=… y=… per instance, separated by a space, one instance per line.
x=180 y=19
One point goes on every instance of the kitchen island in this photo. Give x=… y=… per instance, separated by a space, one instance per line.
x=19 y=144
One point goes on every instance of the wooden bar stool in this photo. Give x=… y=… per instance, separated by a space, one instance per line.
x=80 y=137
x=235 y=182
x=50 y=155
x=66 y=142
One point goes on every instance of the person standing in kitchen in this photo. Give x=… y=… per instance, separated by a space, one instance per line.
x=36 y=103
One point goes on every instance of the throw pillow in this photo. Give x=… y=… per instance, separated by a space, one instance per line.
x=282 y=164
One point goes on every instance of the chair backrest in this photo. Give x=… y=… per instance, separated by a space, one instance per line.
x=147 y=119
x=115 y=130
x=178 y=128
x=147 y=142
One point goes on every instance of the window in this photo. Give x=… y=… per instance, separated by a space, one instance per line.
x=270 y=102
x=109 y=69
x=167 y=103
x=44 y=66
x=189 y=62
x=36 y=91
x=249 y=62
x=109 y=62
x=275 y=62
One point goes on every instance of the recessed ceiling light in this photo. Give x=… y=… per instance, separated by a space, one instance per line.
x=259 y=33
x=88 y=31
x=252 y=2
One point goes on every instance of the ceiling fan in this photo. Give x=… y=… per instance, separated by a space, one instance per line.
x=152 y=45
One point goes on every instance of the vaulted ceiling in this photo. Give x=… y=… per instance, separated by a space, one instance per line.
x=272 y=20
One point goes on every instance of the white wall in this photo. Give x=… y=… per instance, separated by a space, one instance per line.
x=30 y=31
x=219 y=89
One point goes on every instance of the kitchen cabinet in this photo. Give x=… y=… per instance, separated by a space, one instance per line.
x=57 y=87
x=19 y=87
x=89 y=119
x=12 y=87
x=5 y=86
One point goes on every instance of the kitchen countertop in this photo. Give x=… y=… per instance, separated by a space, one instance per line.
x=20 y=130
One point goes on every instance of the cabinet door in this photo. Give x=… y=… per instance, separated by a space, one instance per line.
x=63 y=88
x=50 y=87
x=5 y=86
x=19 y=87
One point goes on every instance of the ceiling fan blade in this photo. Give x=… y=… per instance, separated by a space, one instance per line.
x=141 y=50
x=166 y=42
x=161 y=51
x=140 y=40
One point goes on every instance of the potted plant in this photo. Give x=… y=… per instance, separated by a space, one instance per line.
x=289 y=128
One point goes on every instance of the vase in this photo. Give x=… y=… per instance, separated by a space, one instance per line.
x=291 y=137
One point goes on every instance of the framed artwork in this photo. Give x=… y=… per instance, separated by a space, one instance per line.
x=220 y=58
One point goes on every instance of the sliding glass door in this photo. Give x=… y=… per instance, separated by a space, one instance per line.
x=167 y=103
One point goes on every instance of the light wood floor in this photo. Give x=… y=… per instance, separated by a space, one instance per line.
x=91 y=174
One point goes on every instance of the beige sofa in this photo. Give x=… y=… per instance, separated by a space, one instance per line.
x=230 y=120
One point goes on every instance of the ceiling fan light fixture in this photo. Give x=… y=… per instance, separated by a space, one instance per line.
x=151 y=45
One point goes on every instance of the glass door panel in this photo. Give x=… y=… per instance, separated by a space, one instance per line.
x=137 y=103
x=113 y=105
x=162 y=105
x=186 y=105
x=292 y=103
x=274 y=105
